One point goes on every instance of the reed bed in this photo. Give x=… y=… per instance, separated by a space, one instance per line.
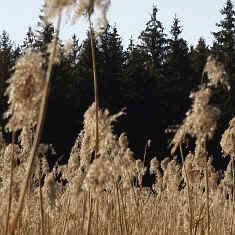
x=105 y=195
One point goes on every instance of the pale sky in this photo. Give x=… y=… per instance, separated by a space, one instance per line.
x=198 y=18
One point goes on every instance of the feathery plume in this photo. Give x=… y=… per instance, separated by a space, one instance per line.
x=53 y=7
x=216 y=73
x=25 y=91
x=228 y=139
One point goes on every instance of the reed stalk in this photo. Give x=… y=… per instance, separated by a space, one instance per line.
x=90 y=214
x=40 y=124
x=207 y=201
x=95 y=88
x=66 y=217
x=41 y=200
x=188 y=192
x=10 y=186
x=233 y=195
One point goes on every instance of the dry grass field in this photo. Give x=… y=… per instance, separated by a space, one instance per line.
x=104 y=195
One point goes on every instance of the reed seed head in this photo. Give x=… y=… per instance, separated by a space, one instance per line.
x=216 y=73
x=54 y=7
x=25 y=91
x=228 y=139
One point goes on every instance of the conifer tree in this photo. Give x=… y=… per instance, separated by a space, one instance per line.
x=85 y=72
x=73 y=54
x=44 y=36
x=8 y=56
x=29 y=40
x=110 y=65
x=223 y=47
x=137 y=76
x=199 y=56
x=41 y=37
x=224 y=50
x=177 y=59
x=153 y=44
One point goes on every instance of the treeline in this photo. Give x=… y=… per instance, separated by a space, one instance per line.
x=152 y=79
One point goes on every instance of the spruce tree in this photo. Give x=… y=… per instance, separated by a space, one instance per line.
x=85 y=73
x=199 y=56
x=8 y=56
x=223 y=47
x=110 y=66
x=153 y=44
x=137 y=76
x=29 y=40
x=44 y=37
x=177 y=59
x=224 y=50
x=72 y=55
x=43 y=34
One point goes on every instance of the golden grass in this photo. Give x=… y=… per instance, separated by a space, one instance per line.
x=106 y=196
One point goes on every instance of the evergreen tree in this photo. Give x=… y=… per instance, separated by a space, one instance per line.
x=177 y=59
x=8 y=56
x=199 y=56
x=110 y=66
x=178 y=75
x=45 y=36
x=73 y=54
x=111 y=50
x=224 y=50
x=39 y=39
x=29 y=40
x=85 y=73
x=140 y=90
x=137 y=77
x=223 y=46
x=153 y=44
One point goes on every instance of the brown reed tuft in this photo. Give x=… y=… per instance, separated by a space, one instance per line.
x=103 y=196
x=25 y=91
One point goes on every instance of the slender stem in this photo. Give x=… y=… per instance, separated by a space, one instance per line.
x=188 y=191
x=207 y=200
x=119 y=210
x=66 y=217
x=145 y=151
x=84 y=211
x=124 y=211
x=10 y=186
x=41 y=120
x=97 y=216
x=90 y=212
x=41 y=200
x=207 y=191
x=233 y=200
x=199 y=219
x=95 y=88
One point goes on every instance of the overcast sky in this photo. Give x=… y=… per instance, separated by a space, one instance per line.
x=198 y=18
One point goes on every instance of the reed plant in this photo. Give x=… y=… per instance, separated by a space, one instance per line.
x=106 y=195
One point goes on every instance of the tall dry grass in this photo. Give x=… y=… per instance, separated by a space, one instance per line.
x=105 y=196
